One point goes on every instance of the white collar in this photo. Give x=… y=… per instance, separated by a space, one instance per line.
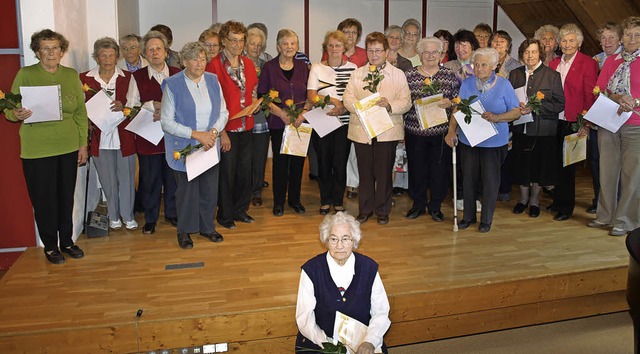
x=350 y=264
x=151 y=71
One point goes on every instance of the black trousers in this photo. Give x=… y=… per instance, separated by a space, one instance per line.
x=286 y=172
x=594 y=162
x=481 y=168
x=333 y=153
x=565 y=193
x=235 y=177
x=259 y=153
x=429 y=159
x=155 y=178
x=196 y=201
x=51 y=183
x=375 y=164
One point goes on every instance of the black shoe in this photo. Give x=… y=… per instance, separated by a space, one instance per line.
x=338 y=208
x=298 y=208
x=227 y=224
x=256 y=201
x=484 y=227
x=184 y=241
x=172 y=221
x=463 y=224
x=352 y=194
x=552 y=208
x=278 y=210
x=54 y=257
x=519 y=208
x=561 y=216
x=149 y=228
x=592 y=209
x=74 y=251
x=265 y=184
x=534 y=211
x=383 y=220
x=313 y=177
x=325 y=210
x=437 y=216
x=244 y=217
x=362 y=218
x=213 y=237
x=413 y=213
x=397 y=191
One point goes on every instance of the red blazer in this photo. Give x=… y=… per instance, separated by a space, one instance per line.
x=127 y=138
x=231 y=91
x=578 y=85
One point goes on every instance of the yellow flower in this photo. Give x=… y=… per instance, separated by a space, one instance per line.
x=456 y=100
x=85 y=87
x=126 y=111
x=316 y=99
x=584 y=112
x=372 y=68
x=427 y=81
x=273 y=94
x=539 y=95
x=596 y=90
x=289 y=102
x=176 y=155
x=1 y=94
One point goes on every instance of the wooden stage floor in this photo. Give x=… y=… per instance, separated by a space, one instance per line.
x=440 y=283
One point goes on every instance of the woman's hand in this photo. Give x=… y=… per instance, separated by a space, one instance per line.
x=451 y=139
x=584 y=130
x=627 y=103
x=207 y=139
x=339 y=109
x=365 y=348
x=225 y=142
x=83 y=155
x=490 y=117
x=445 y=103
x=157 y=108
x=298 y=122
x=384 y=102
x=117 y=106
x=22 y=113
x=524 y=109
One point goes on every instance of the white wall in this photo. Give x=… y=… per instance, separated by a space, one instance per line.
x=505 y=24
x=128 y=12
x=35 y=15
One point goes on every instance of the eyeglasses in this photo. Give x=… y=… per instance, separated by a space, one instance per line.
x=410 y=34
x=129 y=49
x=375 y=51
x=435 y=53
x=346 y=241
x=211 y=45
x=235 y=40
x=51 y=49
x=635 y=36
x=350 y=32
x=337 y=45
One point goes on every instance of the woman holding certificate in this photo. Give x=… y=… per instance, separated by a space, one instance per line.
x=481 y=163
x=427 y=153
x=376 y=155
x=287 y=76
x=620 y=151
x=193 y=112
x=345 y=281
x=52 y=150
x=113 y=151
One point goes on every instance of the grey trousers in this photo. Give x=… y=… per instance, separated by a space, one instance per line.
x=196 y=201
x=117 y=176
x=481 y=166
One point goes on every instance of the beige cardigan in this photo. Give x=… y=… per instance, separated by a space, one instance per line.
x=394 y=87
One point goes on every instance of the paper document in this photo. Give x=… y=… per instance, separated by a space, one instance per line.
x=374 y=119
x=429 y=114
x=574 y=149
x=99 y=111
x=479 y=129
x=322 y=123
x=44 y=101
x=521 y=93
x=248 y=110
x=200 y=161
x=350 y=332
x=296 y=141
x=604 y=113
x=144 y=126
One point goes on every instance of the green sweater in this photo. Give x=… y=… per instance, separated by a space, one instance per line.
x=46 y=139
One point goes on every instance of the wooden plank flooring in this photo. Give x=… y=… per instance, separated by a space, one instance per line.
x=440 y=283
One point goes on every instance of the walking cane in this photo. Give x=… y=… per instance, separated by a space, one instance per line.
x=455 y=187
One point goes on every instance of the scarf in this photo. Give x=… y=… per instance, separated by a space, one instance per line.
x=620 y=81
x=486 y=86
x=236 y=74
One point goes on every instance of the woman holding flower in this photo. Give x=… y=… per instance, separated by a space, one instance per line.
x=481 y=163
x=620 y=151
x=535 y=144
x=287 y=77
x=114 y=151
x=427 y=153
x=51 y=151
x=376 y=156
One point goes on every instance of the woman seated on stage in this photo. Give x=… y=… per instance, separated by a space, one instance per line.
x=359 y=293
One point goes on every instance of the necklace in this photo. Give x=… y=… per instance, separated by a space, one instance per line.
x=286 y=66
x=336 y=67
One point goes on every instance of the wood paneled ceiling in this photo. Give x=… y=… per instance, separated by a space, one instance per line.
x=529 y=15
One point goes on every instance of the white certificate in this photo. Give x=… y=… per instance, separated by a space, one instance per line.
x=99 y=111
x=429 y=113
x=200 y=161
x=374 y=119
x=44 y=101
x=350 y=332
x=521 y=94
x=604 y=113
x=322 y=123
x=574 y=149
x=296 y=141
x=144 y=126
x=479 y=129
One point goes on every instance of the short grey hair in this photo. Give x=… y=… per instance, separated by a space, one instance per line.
x=105 y=43
x=546 y=29
x=340 y=218
x=192 y=50
x=412 y=22
x=155 y=35
x=130 y=38
x=426 y=40
x=284 y=33
x=572 y=28
x=491 y=53
x=256 y=32
x=392 y=28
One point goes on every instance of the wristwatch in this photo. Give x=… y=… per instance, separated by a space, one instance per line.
x=636 y=102
x=215 y=131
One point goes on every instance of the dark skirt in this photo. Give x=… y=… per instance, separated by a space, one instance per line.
x=534 y=160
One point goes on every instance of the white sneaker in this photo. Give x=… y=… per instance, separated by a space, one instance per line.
x=617 y=232
x=115 y=224
x=131 y=225
x=460 y=205
x=596 y=223
x=478 y=206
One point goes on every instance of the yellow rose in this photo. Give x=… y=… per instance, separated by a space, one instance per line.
x=273 y=94
x=85 y=87
x=427 y=81
x=1 y=94
x=289 y=102
x=456 y=100
x=316 y=99
x=539 y=96
x=372 y=68
x=176 y=155
x=126 y=111
x=596 y=90
x=584 y=112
